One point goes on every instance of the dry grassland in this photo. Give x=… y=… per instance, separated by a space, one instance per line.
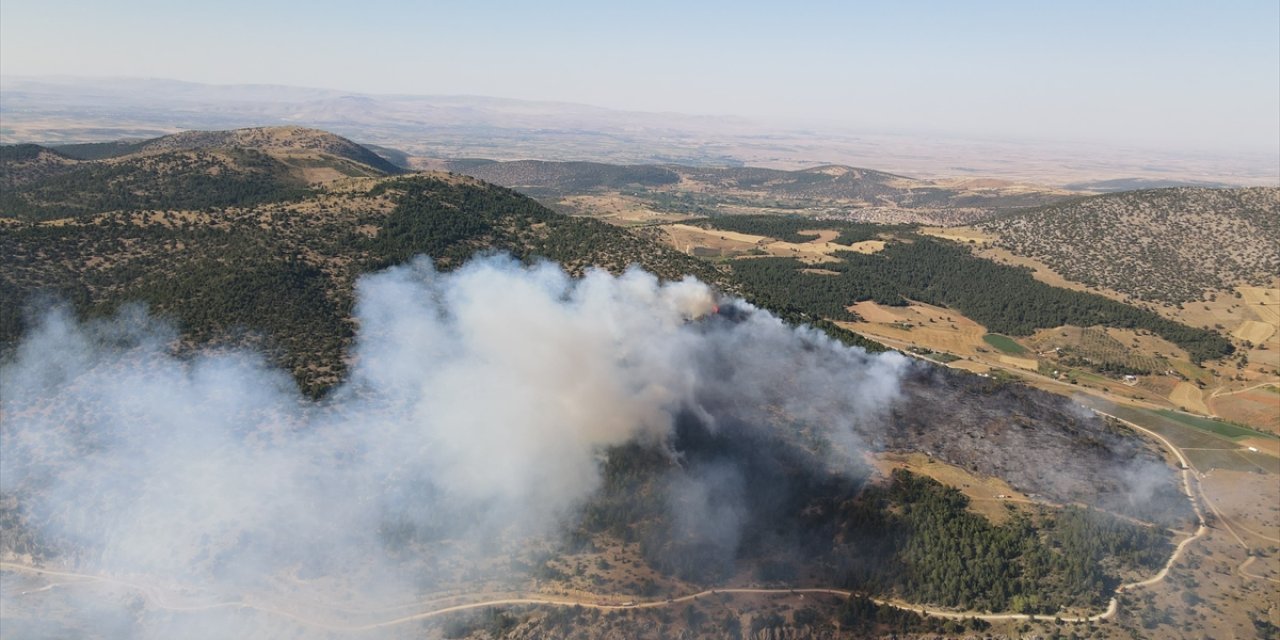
x=1029 y=364
x=1263 y=301
x=987 y=495
x=1254 y=331
x=1189 y=397
x=930 y=327
x=617 y=209
x=715 y=242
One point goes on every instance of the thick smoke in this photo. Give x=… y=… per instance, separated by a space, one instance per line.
x=477 y=409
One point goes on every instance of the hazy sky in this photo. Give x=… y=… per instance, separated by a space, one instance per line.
x=1194 y=75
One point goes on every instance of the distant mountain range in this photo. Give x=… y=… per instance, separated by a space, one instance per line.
x=53 y=110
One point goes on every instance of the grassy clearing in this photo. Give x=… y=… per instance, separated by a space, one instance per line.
x=988 y=496
x=1232 y=431
x=1191 y=372
x=1004 y=343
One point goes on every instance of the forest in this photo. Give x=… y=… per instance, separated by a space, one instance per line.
x=1005 y=299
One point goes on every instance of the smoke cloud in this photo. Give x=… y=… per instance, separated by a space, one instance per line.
x=475 y=415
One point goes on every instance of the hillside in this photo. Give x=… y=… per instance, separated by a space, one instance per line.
x=1164 y=245
x=285 y=141
x=279 y=141
x=284 y=269
x=191 y=170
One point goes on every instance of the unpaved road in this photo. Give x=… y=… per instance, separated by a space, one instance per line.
x=155 y=596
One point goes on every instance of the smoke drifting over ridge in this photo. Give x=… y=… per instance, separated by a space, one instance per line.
x=477 y=409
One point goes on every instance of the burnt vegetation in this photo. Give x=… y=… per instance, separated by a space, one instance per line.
x=774 y=506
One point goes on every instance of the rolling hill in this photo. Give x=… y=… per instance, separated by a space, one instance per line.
x=1162 y=245
x=235 y=243
x=191 y=170
x=832 y=190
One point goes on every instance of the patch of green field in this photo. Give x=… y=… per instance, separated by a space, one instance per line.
x=1226 y=459
x=1178 y=434
x=1004 y=343
x=1233 y=431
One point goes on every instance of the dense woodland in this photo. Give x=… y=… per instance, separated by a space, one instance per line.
x=942 y=553
x=1004 y=299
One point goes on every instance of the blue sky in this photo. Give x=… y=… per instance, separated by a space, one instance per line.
x=1193 y=75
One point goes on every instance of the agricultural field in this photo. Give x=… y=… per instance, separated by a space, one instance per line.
x=1264 y=302
x=1102 y=349
x=617 y=209
x=1180 y=435
x=1029 y=364
x=1257 y=405
x=1188 y=397
x=1267 y=461
x=718 y=243
x=1234 y=432
x=1004 y=343
x=1225 y=459
x=1208 y=444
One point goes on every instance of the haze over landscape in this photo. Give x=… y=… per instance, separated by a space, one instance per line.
x=733 y=320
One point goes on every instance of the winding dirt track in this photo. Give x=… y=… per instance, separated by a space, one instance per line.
x=155 y=597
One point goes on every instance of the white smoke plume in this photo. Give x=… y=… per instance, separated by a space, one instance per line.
x=476 y=410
